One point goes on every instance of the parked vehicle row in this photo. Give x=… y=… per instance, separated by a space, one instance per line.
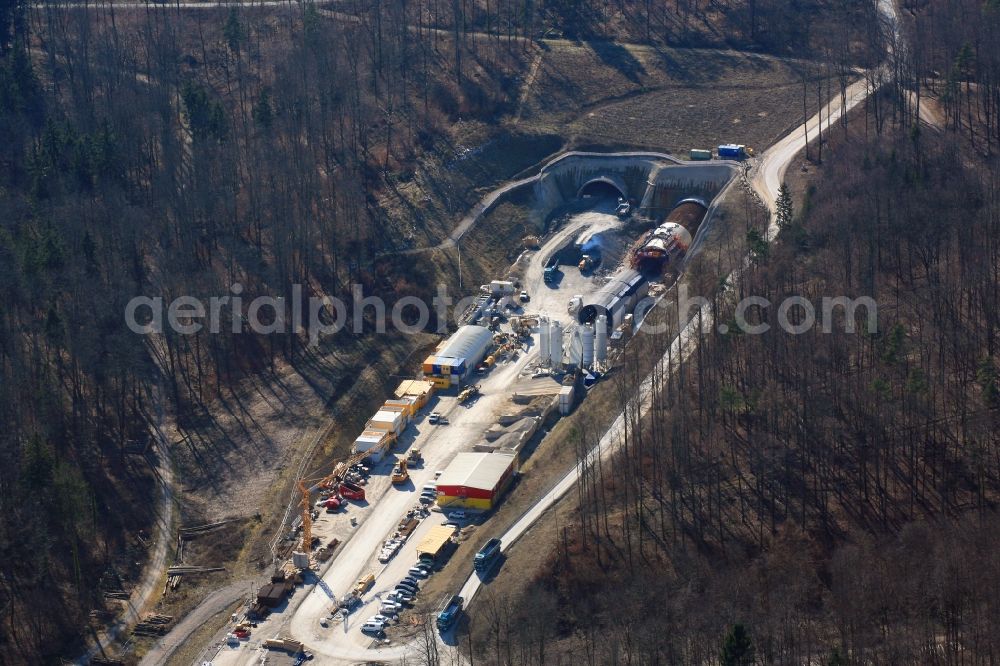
x=393 y=603
x=428 y=494
x=389 y=549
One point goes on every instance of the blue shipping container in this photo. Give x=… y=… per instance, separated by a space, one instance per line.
x=731 y=150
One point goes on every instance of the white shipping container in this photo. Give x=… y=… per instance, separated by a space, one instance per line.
x=374 y=441
x=392 y=421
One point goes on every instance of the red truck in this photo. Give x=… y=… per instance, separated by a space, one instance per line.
x=352 y=491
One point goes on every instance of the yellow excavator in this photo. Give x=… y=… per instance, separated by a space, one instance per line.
x=400 y=475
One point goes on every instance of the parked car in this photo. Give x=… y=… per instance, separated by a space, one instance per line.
x=418 y=572
x=400 y=597
x=408 y=587
x=457 y=515
x=412 y=580
x=379 y=618
x=434 y=418
x=373 y=628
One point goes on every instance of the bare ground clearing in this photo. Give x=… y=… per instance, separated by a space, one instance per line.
x=635 y=97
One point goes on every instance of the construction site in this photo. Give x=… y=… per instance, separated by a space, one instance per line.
x=442 y=452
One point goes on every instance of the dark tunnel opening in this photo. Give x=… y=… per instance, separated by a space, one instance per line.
x=601 y=189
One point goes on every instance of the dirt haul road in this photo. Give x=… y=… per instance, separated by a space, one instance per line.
x=345 y=646
x=343 y=642
x=148 y=587
x=766 y=180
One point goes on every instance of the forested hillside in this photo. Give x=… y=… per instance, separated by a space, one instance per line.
x=833 y=493
x=823 y=497
x=166 y=152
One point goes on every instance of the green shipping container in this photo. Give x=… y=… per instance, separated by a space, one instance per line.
x=698 y=154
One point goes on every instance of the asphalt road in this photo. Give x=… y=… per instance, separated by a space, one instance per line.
x=344 y=643
x=766 y=180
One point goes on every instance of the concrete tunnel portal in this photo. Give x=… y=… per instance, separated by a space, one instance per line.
x=605 y=187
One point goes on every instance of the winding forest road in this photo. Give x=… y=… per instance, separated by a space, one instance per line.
x=215 y=603
x=152 y=574
x=766 y=181
x=491 y=199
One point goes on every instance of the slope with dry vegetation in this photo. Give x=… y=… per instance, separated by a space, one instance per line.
x=167 y=153
x=813 y=497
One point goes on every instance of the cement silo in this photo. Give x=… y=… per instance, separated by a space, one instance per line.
x=601 y=339
x=556 y=344
x=543 y=341
x=587 y=344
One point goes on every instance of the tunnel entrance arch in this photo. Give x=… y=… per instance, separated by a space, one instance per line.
x=603 y=187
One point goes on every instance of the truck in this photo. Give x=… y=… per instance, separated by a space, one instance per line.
x=699 y=154
x=487 y=555
x=448 y=616
x=624 y=208
x=364 y=584
x=287 y=644
x=734 y=151
x=352 y=491
x=415 y=457
x=551 y=271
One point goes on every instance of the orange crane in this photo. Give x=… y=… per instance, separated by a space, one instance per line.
x=338 y=473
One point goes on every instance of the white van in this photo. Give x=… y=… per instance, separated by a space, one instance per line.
x=372 y=628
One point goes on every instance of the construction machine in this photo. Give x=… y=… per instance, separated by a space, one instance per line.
x=468 y=393
x=399 y=473
x=331 y=482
